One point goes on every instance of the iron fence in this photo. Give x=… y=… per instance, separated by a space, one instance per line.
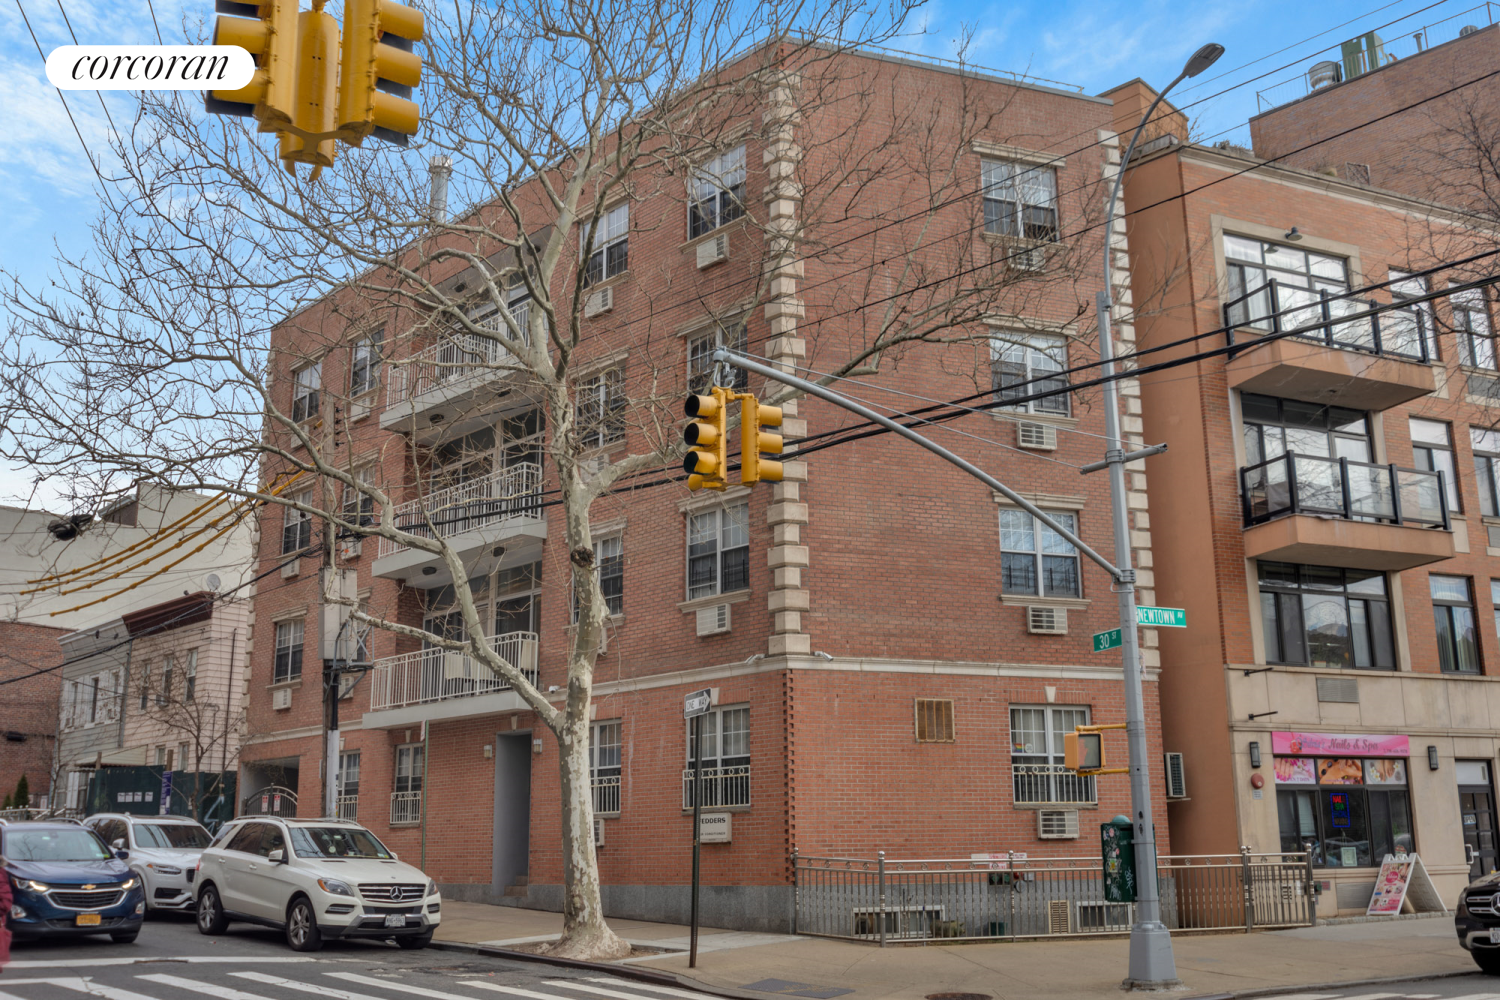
x=883 y=901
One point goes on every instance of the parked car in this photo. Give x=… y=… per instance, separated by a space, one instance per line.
x=318 y=879
x=163 y=850
x=66 y=882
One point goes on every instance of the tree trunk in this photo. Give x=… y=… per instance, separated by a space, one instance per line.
x=585 y=934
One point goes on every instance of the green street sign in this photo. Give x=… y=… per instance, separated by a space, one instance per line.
x=1107 y=640
x=1161 y=617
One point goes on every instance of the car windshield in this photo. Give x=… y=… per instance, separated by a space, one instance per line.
x=336 y=842
x=181 y=836
x=52 y=845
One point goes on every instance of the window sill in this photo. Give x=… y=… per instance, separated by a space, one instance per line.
x=693 y=242
x=403 y=826
x=1009 y=416
x=1031 y=600
x=698 y=603
x=1036 y=806
x=719 y=809
x=614 y=279
x=294 y=684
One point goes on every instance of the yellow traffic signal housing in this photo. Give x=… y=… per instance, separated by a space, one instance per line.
x=379 y=71
x=268 y=31
x=315 y=105
x=754 y=441
x=1083 y=752
x=708 y=439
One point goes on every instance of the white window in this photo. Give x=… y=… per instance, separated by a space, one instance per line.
x=93 y=692
x=165 y=693
x=518 y=599
x=1486 y=446
x=1432 y=447
x=719 y=551
x=406 y=798
x=601 y=408
x=296 y=525
x=145 y=684
x=716 y=193
x=726 y=758
x=1019 y=200
x=1034 y=559
x=609 y=253
x=161 y=756
x=609 y=567
x=305 y=385
x=364 y=364
x=1024 y=364
x=288 y=665
x=701 y=358
x=1471 y=321
x=190 y=676
x=1036 y=755
x=183 y=756
x=359 y=505
x=113 y=697
x=348 y=785
x=604 y=766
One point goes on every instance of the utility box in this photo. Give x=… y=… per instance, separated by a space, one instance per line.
x=1118 y=840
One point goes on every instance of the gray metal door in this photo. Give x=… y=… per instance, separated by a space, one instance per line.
x=512 y=808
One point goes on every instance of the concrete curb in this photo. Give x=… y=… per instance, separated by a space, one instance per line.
x=1339 y=986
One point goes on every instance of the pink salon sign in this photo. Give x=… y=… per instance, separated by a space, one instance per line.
x=1340 y=745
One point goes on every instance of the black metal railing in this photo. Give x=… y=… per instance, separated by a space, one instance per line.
x=1337 y=487
x=1277 y=308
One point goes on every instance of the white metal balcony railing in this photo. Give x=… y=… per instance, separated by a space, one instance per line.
x=348 y=807
x=606 y=793
x=429 y=675
x=509 y=493
x=406 y=807
x=457 y=361
x=1050 y=784
x=722 y=786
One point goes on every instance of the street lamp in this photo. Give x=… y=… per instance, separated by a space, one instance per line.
x=1151 y=962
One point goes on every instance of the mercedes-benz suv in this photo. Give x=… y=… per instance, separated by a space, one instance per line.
x=317 y=879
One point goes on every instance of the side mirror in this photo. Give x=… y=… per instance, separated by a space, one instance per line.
x=122 y=855
x=118 y=843
x=277 y=857
x=395 y=856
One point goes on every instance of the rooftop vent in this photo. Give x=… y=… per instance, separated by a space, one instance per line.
x=1324 y=74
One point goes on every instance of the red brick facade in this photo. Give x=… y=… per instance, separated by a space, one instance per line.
x=29 y=732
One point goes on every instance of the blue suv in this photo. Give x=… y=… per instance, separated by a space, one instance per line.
x=66 y=883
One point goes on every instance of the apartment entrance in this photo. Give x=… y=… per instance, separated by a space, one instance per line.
x=512 y=841
x=1476 y=803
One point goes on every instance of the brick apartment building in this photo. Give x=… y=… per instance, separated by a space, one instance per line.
x=31 y=690
x=1337 y=687
x=896 y=651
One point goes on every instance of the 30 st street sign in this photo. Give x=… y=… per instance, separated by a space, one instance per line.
x=1107 y=640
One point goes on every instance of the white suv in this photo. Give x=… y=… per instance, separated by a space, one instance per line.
x=316 y=878
x=163 y=851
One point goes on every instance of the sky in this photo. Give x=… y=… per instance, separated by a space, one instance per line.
x=52 y=192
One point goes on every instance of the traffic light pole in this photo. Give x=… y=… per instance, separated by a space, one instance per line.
x=1151 y=961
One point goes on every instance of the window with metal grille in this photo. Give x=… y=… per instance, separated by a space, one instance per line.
x=719 y=551
x=1023 y=364
x=604 y=766
x=726 y=758
x=1034 y=559
x=1039 y=775
x=934 y=720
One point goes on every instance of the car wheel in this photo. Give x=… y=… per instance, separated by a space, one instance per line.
x=302 y=927
x=415 y=941
x=211 y=918
x=1488 y=960
x=125 y=938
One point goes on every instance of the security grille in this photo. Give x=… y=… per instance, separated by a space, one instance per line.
x=392 y=892
x=1057 y=916
x=934 y=720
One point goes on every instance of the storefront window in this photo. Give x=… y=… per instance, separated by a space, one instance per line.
x=1347 y=812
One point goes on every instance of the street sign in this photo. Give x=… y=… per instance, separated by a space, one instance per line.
x=1161 y=617
x=1107 y=640
x=698 y=703
x=166 y=793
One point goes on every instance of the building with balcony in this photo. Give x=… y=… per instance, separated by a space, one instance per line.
x=882 y=649
x=1332 y=520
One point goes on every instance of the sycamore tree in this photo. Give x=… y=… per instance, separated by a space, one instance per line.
x=178 y=350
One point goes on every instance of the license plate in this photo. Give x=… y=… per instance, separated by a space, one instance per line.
x=1495 y=935
x=87 y=920
x=395 y=920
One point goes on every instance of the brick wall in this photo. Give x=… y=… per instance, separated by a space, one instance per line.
x=31 y=704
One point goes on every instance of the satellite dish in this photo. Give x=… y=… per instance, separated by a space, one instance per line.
x=212 y=582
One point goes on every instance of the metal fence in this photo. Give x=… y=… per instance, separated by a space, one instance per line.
x=885 y=901
x=428 y=675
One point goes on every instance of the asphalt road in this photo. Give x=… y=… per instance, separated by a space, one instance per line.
x=172 y=961
x=1475 y=987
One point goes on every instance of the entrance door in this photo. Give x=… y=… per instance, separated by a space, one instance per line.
x=512 y=808
x=1476 y=801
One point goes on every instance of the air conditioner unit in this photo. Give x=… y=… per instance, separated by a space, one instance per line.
x=1176 y=780
x=281 y=698
x=1057 y=824
x=598 y=302
x=349 y=548
x=1039 y=437
x=1058 y=917
x=714 y=620
x=1046 y=621
x=598 y=832
x=1094 y=915
x=710 y=252
x=1026 y=259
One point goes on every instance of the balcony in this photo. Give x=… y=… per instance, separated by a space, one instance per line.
x=1051 y=785
x=483 y=520
x=404 y=688
x=450 y=384
x=348 y=806
x=406 y=808
x=722 y=786
x=1366 y=363
x=1334 y=512
x=606 y=794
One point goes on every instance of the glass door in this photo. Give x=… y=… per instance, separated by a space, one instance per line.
x=1476 y=800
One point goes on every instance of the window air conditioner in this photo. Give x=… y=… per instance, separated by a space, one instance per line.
x=281 y=698
x=1057 y=824
x=598 y=302
x=349 y=548
x=714 y=620
x=1176 y=780
x=710 y=252
x=1046 y=621
x=1039 y=437
x=598 y=832
x=1027 y=259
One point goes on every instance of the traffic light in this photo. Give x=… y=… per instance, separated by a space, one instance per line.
x=707 y=437
x=754 y=441
x=379 y=71
x=317 y=91
x=268 y=31
x=1083 y=752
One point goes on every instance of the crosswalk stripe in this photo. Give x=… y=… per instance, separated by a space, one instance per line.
x=1308 y=996
x=292 y=984
x=209 y=989
x=1374 y=996
x=517 y=991
x=670 y=991
x=387 y=984
x=616 y=994
x=71 y=963
x=81 y=985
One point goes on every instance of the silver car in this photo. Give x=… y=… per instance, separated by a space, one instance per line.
x=163 y=851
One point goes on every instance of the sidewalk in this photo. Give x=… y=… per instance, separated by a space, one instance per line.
x=1343 y=954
